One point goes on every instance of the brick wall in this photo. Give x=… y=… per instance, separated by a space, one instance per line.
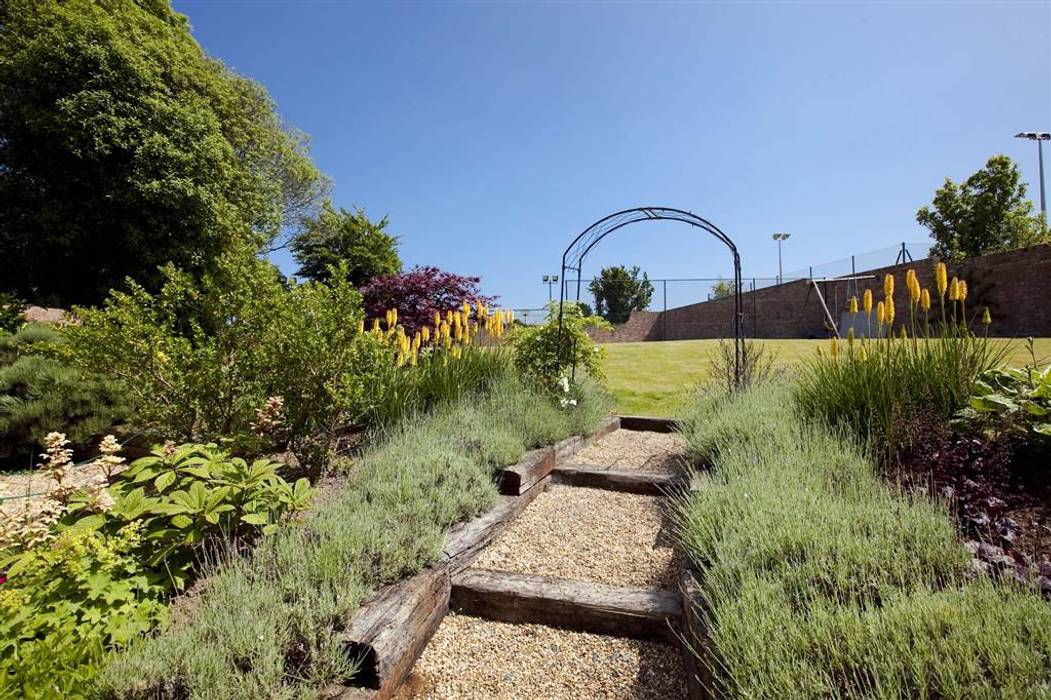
x=639 y=326
x=1016 y=286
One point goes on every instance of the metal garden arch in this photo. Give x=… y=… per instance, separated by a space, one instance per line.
x=577 y=251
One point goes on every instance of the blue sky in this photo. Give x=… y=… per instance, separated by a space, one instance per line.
x=491 y=133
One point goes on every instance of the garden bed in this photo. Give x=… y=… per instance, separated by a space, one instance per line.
x=818 y=579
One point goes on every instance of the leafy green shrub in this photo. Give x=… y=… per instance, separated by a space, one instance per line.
x=545 y=354
x=267 y=625
x=182 y=496
x=40 y=393
x=238 y=357
x=1018 y=400
x=819 y=580
x=62 y=604
x=11 y=313
x=102 y=576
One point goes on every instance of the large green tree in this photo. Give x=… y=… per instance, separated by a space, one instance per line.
x=987 y=213
x=341 y=236
x=123 y=147
x=618 y=291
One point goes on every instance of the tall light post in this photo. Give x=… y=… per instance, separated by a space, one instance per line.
x=779 y=237
x=550 y=280
x=1039 y=137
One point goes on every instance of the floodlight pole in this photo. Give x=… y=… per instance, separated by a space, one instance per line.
x=1039 y=137
x=550 y=280
x=779 y=237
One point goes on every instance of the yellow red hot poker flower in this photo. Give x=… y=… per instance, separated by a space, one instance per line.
x=866 y=301
x=941 y=278
x=912 y=283
x=888 y=285
x=853 y=305
x=925 y=299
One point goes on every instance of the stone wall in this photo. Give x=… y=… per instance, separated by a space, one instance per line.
x=1016 y=286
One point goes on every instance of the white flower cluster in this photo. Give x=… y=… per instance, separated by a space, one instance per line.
x=269 y=416
x=564 y=400
x=33 y=524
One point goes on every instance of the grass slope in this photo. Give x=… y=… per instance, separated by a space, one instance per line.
x=656 y=379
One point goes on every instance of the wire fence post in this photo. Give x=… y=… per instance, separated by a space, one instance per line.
x=664 y=314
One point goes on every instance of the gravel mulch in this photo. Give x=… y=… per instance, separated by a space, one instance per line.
x=631 y=449
x=473 y=658
x=32 y=485
x=588 y=535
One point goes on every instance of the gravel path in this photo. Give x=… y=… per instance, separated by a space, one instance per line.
x=588 y=535
x=473 y=658
x=631 y=449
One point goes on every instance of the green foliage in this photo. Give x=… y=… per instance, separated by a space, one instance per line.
x=1016 y=400
x=545 y=353
x=11 y=313
x=722 y=290
x=124 y=147
x=204 y=359
x=268 y=625
x=182 y=496
x=107 y=576
x=40 y=393
x=62 y=604
x=988 y=213
x=819 y=580
x=345 y=237
x=619 y=291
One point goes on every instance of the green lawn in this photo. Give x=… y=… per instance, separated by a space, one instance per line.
x=654 y=378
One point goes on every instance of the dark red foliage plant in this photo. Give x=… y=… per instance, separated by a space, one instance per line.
x=418 y=293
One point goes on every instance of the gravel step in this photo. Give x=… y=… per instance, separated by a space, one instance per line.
x=626 y=450
x=475 y=658
x=587 y=534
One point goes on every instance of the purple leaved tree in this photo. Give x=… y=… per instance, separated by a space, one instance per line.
x=418 y=293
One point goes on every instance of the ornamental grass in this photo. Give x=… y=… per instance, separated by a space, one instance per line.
x=905 y=369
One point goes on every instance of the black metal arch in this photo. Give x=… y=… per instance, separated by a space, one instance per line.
x=577 y=251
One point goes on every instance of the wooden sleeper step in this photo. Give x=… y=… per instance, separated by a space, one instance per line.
x=627 y=481
x=651 y=424
x=582 y=606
